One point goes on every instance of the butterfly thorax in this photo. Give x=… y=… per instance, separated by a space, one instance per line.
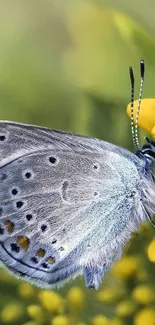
x=147 y=186
x=147 y=155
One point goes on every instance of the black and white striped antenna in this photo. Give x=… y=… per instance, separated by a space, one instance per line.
x=134 y=126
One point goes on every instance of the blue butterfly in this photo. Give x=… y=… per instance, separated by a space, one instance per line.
x=69 y=203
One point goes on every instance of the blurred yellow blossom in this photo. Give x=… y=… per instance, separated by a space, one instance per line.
x=11 y=313
x=126 y=267
x=146 y=121
x=35 y=312
x=51 y=301
x=99 y=320
x=60 y=320
x=145 y=317
x=107 y=295
x=26 y=290
x=151 y=251
x=76 y=297
x=125 y=308
x=143 y=294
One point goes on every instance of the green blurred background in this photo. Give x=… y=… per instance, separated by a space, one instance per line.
x=64 y=64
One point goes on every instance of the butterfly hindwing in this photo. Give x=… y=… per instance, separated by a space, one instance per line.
x=60 y=199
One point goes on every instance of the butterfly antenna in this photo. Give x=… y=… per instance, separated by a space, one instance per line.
x=132 y=79
x=142 y=70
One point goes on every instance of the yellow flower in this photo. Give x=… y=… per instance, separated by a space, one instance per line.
x=35 y=312
x=60 y=320
x=51 y=301
x=151 y=251
x=125 y=308
x=100 y=320
x=107 y=295
x=76 y=297
x=26 y=290
x=126 y=267
x=147 y=114
x=143 y=294
x=145 y=316
x=11 y=313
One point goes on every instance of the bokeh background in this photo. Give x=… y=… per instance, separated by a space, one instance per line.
x=64 y=64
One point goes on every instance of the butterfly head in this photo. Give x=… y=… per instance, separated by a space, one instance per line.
x=147 y=152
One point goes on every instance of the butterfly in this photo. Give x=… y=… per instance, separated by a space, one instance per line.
x=69 y=203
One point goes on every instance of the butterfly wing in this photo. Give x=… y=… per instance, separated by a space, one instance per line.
x=19 y=139
x=64 y=204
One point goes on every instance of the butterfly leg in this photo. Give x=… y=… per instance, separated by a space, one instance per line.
x=94 y=273
x=93 y=276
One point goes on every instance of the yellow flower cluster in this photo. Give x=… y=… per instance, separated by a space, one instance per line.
x=126 y=290
x=11 y=313
x=143 y=294
x=151 y=251
x=145 y=316
x=127 y=267
x=146 y=120
x=52 y=301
